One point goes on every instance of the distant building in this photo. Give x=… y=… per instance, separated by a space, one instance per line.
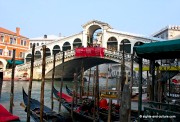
x=39 y=41
x=12 y=40
x=169 y=32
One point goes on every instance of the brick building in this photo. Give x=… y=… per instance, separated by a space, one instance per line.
x=8 y=41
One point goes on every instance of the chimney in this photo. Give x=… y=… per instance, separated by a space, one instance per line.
x=17 y=31
x=45 y=36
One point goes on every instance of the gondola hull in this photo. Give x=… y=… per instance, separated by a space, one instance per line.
x=48 y=114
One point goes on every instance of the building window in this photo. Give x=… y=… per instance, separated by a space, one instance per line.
x=21 y=55
x=22 y=42
x=10 y=53
x=11 y=40
x=2 y=38
x=14 y=42
x=1 y=51
x=37 y=44
x=30 y=45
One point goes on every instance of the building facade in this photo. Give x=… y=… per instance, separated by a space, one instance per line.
x=43 y=40
x=169 y=32
x=8 y=41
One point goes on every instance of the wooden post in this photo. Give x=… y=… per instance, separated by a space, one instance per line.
x=1 y=82
x=12 y=83
x=89 y=83
x=97 y=89
x=106 y=82
x=122 y=70
x=131 y=81
x=153 y=79
x=125 y=104
x=43 y=82
x=30 y=84
x=76 y=86
x=60 y=96
x=94 y=89
x=110 y=110
x=82 y=79
x=94 y=77
x=140 y=89
x=54 y=60
x=72 y=105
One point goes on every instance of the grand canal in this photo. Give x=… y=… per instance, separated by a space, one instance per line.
x=36 y=88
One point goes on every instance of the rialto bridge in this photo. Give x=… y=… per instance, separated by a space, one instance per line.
x=94 y=34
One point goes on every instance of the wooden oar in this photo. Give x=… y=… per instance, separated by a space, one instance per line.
x=32 y=112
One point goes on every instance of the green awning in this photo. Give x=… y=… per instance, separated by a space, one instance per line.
x=159 y=50
x=16 y=62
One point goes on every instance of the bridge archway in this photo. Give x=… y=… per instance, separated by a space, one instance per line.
x=28 y=57
x=126 y=45
x=112 y=43
x=66 y=46
x=92 y=35
x=77 y=43
x=37 y=55
x=57 y=48
x=48 y=52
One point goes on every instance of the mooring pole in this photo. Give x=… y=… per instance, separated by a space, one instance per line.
x=12 y=83
x=89 y=83
x=140 y=91
x=60 y=96
x=131 y=81
x=43 y=82
x=82 y=79
x=30 y=84
x=52 y=85
x=97 y=89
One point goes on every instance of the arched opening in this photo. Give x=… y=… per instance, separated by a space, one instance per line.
x=66 y=46
x=56 y=49
x=138 y=43
x=48 y=52
x=77 y=43
x=28 y=57
x=112 y=44
x=126 y=45
x=94 y=35
x=37 y=55
x=1 y=65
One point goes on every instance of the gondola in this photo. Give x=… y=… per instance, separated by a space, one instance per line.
x=89 y=103
x=6 y=116
x=48 y=114
x=103 y=109
x=78 y=115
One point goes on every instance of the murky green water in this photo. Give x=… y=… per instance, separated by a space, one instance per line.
x=36 y=88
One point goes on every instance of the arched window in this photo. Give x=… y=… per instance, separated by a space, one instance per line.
x=37 y=55
x=28 y=57
x=126 y=45
x=56 y=49
x=77 y=43
x=48 y=52
x=66 y=46
x=112 y=44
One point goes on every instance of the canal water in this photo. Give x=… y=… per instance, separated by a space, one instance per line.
x=36 y=88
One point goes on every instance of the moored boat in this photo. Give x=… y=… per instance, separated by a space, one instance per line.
x=48 y=114
x=6 y=116
x=78 y=113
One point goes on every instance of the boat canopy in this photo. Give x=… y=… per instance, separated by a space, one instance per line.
x=16 y=62
x=159 y=50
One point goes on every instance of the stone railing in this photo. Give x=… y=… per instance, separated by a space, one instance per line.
x=113 y=55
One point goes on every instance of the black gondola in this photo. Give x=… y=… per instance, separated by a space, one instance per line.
x=103 y=110
x=48 y=114
x=81 y=116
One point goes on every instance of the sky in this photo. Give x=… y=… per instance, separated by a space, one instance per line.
x=39 y=17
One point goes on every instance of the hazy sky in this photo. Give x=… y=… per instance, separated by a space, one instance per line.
x=39 y=17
